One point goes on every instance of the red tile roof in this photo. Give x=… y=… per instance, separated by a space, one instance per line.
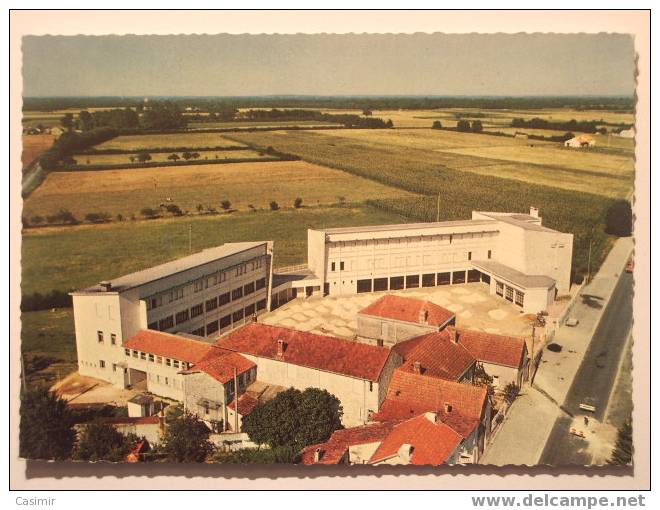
x=412 y=394
x=432 y=442
x=334 y=449
x=439 y=356
x=404 y=348
x=409 y=310
x=309 y=350
x=501 y=350
x=220 y=364
x=246 y=404
x=168 y=345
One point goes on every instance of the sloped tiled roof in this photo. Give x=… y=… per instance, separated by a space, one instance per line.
x=334 y=449
x=220 y=364
x=309 y=350
x=501 y=350
x=412 y=394
x=439 y=356
x=408 y=309
x=432 y=442
x=168 y=345
x=246 y=404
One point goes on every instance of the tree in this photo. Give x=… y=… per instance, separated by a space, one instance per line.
x=186 y=155
x=297 y=203
x=143 y=157
x=463 y=125
x=623 y=448
x=174 y=209
x=619 y=219
x=37 y=220
x=437 y=124
x=85 y=121
x=67 y=122
x=148 y=212
x=274 y=206
x=101 y=217
x=225 y=205
x=510 y=392
x=367 y=113
x=101 y=441
x=294 y=418
x=173 y=157
x=187 y=439
x=195 y=155
x=46 y=429
x=477 y=127
x=389 y=123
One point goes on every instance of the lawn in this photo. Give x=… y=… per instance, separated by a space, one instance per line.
x=67 y=258
x=120 y=159
x=164 y=141
x=48 y=345
x=128 y=191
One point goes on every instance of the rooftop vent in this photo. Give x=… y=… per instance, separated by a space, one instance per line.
x=105 y=286
x=431 y=416
x=424 y=316
x=281 y=347
x=448 y=407
x=406 y=452
x=417 y=367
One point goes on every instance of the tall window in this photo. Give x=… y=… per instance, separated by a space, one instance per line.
x=520 y=298
x=101 y=363
x=509 y=293
x=341 y=266
x=113 y=339
x=499 y=288
x=196 y=310
x=469 y=255
x=489 y=253
x=99 y=336
x=223 y=299
x=332 y=266
x=237 y=293
x=260 y=283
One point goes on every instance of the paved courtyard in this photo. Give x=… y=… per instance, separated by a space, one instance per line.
x=473 y=306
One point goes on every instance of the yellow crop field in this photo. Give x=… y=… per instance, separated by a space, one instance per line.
x=127 y=191
x=174 y=140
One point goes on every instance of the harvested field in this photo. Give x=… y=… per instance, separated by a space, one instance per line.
x=250 y=124
x=33 y=146
x=174 y=140
x=127 y=191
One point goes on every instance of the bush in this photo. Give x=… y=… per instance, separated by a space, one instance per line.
x=510 y=392
x=274 y=206
x=101 y=217
x=297 y=203
x=101 y=441
x=225 y=205
x=37 y=220
x=149 y=213
x=477 y=127
x=463 y=126
x=46 y=428
x=619 y=219
x=143 y=157
x=174 y=209
x=437 y=124
x=279 y=455
x=54 y=299
x=63 y=216
x=187 y=439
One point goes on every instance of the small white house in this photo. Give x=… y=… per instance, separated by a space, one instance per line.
x=580 y=142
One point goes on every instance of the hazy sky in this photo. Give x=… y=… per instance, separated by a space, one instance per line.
x=359 y=64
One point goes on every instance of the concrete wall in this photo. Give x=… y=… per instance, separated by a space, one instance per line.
x=390 y=331
x=316 y=252
x=550 y=254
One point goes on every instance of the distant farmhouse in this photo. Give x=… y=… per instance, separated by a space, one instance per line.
x=628 y=133
x=189 y=331
x=580 y=142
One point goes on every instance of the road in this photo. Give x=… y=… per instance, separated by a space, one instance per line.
x=595 y=378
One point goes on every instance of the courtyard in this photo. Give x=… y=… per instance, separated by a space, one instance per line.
x=474 y=307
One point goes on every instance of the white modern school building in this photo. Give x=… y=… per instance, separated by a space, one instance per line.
x=204 y=294
x=520 y=260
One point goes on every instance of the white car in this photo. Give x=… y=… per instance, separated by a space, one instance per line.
x=571 y=322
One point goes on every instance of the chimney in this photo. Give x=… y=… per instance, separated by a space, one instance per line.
x=431 y=416
x=448 y=407
x=105 y=286
x=281 y=347
x=453 y=336
x=405 y=452
x=417 y=367
x=318 y=453
x=534 y=212
x=424 y=316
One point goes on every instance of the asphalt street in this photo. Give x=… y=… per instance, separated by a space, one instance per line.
x=595 y=378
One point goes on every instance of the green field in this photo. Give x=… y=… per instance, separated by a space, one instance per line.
x=127 y=191
x=174 y=140
x=67 y=258
x=162 y=157
x=419 y=159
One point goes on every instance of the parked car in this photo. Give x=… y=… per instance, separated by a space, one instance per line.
x=571 y=322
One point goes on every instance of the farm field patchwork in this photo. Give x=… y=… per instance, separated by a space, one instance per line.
x=66 y=258
x=420 y=160
x=173 y=140
x=127 y=191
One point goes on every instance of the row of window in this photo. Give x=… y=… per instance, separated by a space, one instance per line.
x=164 y=380
x=100 y=338
x=152 y=358
x=209 y=305
x=230 y=319
x=509 y=293
x=411 y=240
x=203 y=283
x=411 y=260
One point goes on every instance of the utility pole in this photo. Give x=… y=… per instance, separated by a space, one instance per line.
x=437 y=217
x=589 y=262
x=190 y=238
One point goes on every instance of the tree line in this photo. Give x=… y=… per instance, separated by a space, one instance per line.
x=584 y=126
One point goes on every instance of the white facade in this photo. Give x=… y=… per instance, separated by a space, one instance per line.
x=204 y=294
x=514 y=249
